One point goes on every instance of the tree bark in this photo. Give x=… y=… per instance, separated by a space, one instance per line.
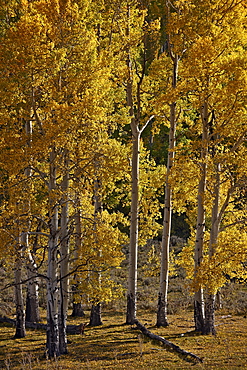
x=133 y=251
x=134 y=212
x=214 y=233
x=20 y=312
x=95 y=316
x=210 y=315
x=199 y=309
x=32 y=299
x=77 y=310
x=165 y=245
x=77 y=306
x=64 y=260
x=135 y=110
x=52 y=337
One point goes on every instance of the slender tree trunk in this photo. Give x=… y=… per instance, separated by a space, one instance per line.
x=215 y=222
x=165 y=246
x=20 y=311
x=22 y=242
x=133 y=252
x=135 y=111
x=32 y=299
x=199 y=309
x=133 y=247
x=64 y=258
x=218 y=302
x=77 y=306
x=52 y=339
x=95 y=316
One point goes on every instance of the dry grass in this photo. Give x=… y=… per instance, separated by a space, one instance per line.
x=118 y=346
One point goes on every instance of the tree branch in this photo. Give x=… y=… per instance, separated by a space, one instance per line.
x=169 y=345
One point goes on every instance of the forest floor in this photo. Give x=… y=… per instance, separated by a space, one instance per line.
x=115 y=345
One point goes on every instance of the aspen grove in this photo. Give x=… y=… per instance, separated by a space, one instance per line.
x=116 y=117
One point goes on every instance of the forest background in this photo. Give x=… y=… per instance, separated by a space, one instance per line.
x=122 y=123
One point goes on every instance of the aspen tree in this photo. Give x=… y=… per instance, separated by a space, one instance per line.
x=52 y=341
x=165 y=244
x=215 y=78
x=32 y=299
x=199 y=314
x=19 y=301
x=24 y=246
x=134 y=102
x=77 y=304
x=127 y=48
x=95 y=316
x=64 y=255
x=52 y=108
x=19 y=218
x=169 y=104
x=123 y=38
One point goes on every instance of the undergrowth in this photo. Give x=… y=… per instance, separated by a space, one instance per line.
x=115 y=345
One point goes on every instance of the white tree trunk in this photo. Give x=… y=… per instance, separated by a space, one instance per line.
x=64 y=258
x=77 y=306
x=32 y=299
x=95 y=315
x=136 y=132
x=133 y=250
x=214 y=233
x=133 y=247
x=22 y=244
x=199 y=310
x=165 y=246
x=20 y=311
x=52 y=339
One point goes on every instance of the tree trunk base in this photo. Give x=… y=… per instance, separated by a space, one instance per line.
x=77 y=310
x=32 y=309
x=95 y=317
x=198 y=317
x=131 y=310
x=162 y=312
x=210 y=315
x=20 y=323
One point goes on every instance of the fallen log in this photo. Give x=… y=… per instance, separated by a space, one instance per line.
x=169 y=345
x=7 y=320
x=71 y=329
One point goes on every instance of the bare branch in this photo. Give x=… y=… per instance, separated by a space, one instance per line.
x=146 y=124
x=243 y=221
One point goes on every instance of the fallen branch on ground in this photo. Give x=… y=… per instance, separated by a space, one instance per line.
x=71 y=329
x=169 y=345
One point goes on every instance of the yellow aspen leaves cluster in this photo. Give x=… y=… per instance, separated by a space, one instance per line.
x=81 y=84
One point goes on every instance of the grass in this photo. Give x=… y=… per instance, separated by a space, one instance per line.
x=115 y=345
